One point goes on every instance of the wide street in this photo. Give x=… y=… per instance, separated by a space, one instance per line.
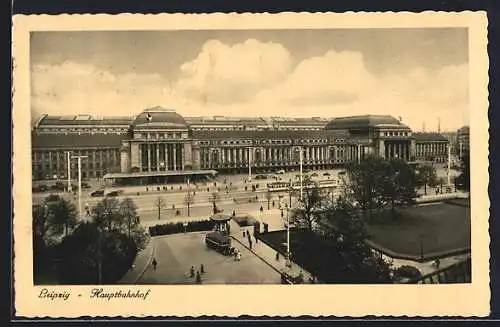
x=235 y=197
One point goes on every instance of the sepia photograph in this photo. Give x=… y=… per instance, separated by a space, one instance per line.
x=250 y=156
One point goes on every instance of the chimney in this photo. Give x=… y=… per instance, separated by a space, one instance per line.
x=439 y=125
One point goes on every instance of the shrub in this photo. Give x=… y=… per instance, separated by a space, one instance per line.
x=244 y=221
x=406 y=271
x=176 y=228
x=78 y=256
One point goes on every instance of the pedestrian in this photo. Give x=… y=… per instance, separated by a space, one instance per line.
x=250 y=244
x=202 y=269
x=191 y=273
x=154 y=263
x=277 y=256
x=437 y=262
x=234 y=213
x=244 y=233
x=273 y=204
x=198 y=278
x=256 y=239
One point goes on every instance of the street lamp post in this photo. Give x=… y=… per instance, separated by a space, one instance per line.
x=300 y=167
x=421 y=237
x=288 y=263
x=79 y=183
x=68 y=163
x=449 y=164
x=250 y=164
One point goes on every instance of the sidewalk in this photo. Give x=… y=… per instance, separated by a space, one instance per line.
x=429 y=266
x=141 y=262
x=266 y=253
x=442 y=196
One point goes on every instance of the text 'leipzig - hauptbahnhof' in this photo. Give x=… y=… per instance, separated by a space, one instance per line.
x=161 y=144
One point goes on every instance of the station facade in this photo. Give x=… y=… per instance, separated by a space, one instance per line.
x=160 y=142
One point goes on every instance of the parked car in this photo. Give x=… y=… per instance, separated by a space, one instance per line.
x=58 y=186
x=280 y=172
x=261 y=177
x=97 y=193
x=327 y=174
x=314 y=175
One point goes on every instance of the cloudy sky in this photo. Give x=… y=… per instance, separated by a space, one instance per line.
x=418 y=74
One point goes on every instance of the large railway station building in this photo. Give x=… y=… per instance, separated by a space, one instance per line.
x=160 y=143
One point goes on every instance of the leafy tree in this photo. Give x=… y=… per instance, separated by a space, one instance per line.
x=62 y=216
x=93 y=255
x=356 y=262
x=128 y=211
x=364 y=179
x=307 y=213
x=159 y=204
x=377 y=183
x=106 y=214
x=214 y=199
x=426 y=176
x=399 y=186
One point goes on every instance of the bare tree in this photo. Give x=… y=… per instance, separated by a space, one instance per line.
x=214 y=198
x=308 y=212
x=159 y=204
x=188 y=201
x=107 y=213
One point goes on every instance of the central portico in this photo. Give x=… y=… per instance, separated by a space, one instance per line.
x=158 y=141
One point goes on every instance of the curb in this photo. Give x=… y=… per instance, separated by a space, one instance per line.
x=148 y=262
x=258 y=256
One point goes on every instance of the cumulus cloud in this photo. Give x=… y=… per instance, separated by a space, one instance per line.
x=256 y=78
x=233 y=73
x=73 y=87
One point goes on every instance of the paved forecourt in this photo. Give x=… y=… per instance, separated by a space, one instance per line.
x=176 y=254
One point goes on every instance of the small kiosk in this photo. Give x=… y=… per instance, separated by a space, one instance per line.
x=218 y=239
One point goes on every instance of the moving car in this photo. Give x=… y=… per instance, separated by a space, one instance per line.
x=281 y=171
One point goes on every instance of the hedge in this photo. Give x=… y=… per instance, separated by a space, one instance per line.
x=176 y=228
x=244 y=221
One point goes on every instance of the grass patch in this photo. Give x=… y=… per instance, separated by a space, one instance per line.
x=427 y=231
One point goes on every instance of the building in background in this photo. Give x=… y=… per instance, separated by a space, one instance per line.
x=431 y=147
x=463 y=140
x=159 y=145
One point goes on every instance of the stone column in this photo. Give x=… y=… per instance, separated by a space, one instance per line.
x=148 y=146
x=381 y=148
x=157 y=156
x=183 y=154
x=174 y=155
x=188 y=155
